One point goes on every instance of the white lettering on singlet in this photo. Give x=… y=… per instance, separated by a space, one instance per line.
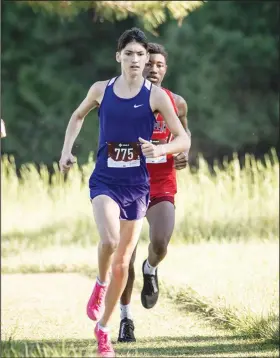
x=123 y=155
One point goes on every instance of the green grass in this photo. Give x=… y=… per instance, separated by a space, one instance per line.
x=229 y=285
x=51 y=322
x=245 y=322
x=233 y=204
x=235 y=347
x=219 y=282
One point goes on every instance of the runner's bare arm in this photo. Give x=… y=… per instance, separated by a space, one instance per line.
x=161 y=102
x=92 y=100
x=181 y=160
x=182 y=112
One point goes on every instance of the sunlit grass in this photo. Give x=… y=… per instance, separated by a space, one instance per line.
x=231 y=204
x=222 y=265
x=231 y=347
x=234 y=284
x=50 y=321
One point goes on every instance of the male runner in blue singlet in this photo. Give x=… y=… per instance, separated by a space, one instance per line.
x=161 y=210
x=119 y=184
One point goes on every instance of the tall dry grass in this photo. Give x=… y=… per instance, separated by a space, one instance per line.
x=233 y=203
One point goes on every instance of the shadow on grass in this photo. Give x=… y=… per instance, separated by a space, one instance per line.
x=188 y=300
x=158 y=346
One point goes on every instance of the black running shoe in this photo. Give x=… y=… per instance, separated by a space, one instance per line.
x=150 y=291
x=126 y=333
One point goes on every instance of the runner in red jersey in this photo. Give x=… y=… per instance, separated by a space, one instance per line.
x=162 y=170
x=161 y=211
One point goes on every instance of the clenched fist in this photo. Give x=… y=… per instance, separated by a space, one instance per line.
x=150 y=150
x=181 y=161
x=66 y=162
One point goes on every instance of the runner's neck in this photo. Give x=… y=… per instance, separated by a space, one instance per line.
x=131 y=82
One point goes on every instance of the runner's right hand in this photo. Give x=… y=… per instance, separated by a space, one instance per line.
x=66 y=162
x=181 y=161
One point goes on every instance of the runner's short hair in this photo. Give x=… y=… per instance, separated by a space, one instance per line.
x=154 y=49
x=133 y=34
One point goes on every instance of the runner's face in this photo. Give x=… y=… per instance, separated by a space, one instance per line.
x=133 y=58
x=155 y=69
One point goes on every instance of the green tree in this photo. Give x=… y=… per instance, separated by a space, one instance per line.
x=151 y=13
x=230 y=74
x=49 y=62
x=223 y=60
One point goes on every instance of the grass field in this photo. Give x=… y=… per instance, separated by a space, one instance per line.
x=197 y=315
x=232 y=204
x=47 y=324
x=219 y=282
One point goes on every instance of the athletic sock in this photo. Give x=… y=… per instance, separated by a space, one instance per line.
x=148 y=269
x=103 y=329
x=101 y=283
x=125 y=311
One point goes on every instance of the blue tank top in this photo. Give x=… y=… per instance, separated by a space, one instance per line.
x=121 y=122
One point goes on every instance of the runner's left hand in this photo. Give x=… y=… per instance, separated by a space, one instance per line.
x=181 y=161
x=149 y=149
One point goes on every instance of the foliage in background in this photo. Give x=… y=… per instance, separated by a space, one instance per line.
x=223 y=60
x=151 y=13
x=230 y=75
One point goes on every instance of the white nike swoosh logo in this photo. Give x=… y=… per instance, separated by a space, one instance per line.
x=139 y=105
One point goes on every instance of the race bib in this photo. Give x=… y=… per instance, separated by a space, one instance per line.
x=123 y=155
x=158 y=160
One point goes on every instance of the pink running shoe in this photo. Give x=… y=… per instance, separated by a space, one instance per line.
x=105 y=348
x=95 y=306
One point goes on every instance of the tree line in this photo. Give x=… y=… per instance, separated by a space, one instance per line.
x=223 y=59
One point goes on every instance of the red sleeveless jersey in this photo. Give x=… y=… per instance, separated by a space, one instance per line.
x=161 y=170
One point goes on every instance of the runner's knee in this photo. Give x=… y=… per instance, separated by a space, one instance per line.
x=159 y=244
x=109 y=245
x=119 y=270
